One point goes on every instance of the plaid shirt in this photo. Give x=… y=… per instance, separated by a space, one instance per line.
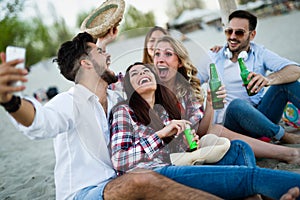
x=135 y=145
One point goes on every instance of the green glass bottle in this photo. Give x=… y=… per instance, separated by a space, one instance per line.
x=215 y=84
x=244 y=74
x=189 y=137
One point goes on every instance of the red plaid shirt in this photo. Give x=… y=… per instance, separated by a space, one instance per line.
x=135 y=145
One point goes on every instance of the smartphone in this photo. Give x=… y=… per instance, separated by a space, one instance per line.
x=12 y=53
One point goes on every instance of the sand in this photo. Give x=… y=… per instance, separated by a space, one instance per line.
x=26 y=167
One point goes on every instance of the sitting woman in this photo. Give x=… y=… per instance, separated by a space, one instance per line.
x=176 y=71
x=147 y=127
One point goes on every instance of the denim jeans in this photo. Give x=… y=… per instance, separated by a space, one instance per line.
x=262 y=120
x=233 y=182
x=239 y=153
x=234 y=176
x=91 y=192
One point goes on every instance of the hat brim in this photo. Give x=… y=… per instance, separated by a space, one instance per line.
x=105 y=17
x=212 y=149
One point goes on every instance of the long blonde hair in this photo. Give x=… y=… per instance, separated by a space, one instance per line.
x=188 y=71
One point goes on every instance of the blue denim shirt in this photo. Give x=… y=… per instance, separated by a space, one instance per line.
x=260 y=60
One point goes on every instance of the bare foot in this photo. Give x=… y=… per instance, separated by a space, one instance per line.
x=292 y=194
x=290 y=138
x=294 y=157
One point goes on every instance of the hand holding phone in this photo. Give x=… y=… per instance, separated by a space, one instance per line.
x=12 y=53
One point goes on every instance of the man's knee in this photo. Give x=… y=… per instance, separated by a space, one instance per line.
x=143 y=178
x=238 y=106
x=237 y=103
x=132 y=185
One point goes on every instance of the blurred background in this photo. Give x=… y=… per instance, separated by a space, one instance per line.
x=42 y=25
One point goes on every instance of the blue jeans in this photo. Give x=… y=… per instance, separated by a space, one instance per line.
x=239 y=153
x=233 y=182
x=92 y=192
x=263 y=119
x=234 y=176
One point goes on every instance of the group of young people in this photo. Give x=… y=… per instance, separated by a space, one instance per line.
x=96 y=133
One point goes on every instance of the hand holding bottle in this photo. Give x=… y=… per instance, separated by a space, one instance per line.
x=215 y=84
x=174 y=128
x=191 y=137
x=257 y=82
x=221 y=93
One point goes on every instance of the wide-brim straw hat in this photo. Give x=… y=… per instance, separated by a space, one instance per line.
x=105 y=17
x=212 y=149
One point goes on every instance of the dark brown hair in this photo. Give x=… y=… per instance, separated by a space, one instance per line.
x=163 y=97
x=146 y=57
x=243 y=14
x=70 y=53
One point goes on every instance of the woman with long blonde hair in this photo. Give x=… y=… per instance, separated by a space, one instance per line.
x=172 y=63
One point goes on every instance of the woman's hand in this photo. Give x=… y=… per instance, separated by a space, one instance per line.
x=174 y=128
x=196 y=138
x=221 y=93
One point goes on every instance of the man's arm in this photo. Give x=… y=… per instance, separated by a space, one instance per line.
x=23 y=110
x=288 y=74
x=108 y=38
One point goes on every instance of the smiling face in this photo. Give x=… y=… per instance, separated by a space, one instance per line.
x=142 y=79
x=166 y=62
x=101 y=62
x=238 y=35
x=152 y=40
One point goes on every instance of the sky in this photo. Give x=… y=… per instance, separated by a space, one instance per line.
x=69 y=9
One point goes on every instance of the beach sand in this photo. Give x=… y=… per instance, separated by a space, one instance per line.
x=26 y=168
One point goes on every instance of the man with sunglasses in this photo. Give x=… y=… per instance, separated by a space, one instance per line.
x=257 y=115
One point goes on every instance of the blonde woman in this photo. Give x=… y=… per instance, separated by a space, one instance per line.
x=172 y=63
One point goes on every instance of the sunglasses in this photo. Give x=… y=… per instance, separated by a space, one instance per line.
x=238 y=32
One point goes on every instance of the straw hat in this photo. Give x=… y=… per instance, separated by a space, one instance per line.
x=212 y=149
x=105 y=17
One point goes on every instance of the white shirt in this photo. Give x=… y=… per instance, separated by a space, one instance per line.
x=78 y=124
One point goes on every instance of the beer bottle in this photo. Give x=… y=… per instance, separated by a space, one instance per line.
x=215 y=84
x=244 y=74
x=189 y=137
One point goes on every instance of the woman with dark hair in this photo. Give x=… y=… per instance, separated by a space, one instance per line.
x=147 y=127
x=149 y=43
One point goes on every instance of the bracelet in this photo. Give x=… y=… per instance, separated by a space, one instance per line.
x=13 y=105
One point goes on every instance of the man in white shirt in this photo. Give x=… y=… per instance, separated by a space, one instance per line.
x=77 y=122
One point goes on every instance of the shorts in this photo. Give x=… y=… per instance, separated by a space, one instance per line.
x=92 y=192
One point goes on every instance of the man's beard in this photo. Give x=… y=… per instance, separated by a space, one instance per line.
x=243 y=47
x=109 y=77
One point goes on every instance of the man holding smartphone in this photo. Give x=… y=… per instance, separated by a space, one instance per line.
x=12 y=53
x=77 y=121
